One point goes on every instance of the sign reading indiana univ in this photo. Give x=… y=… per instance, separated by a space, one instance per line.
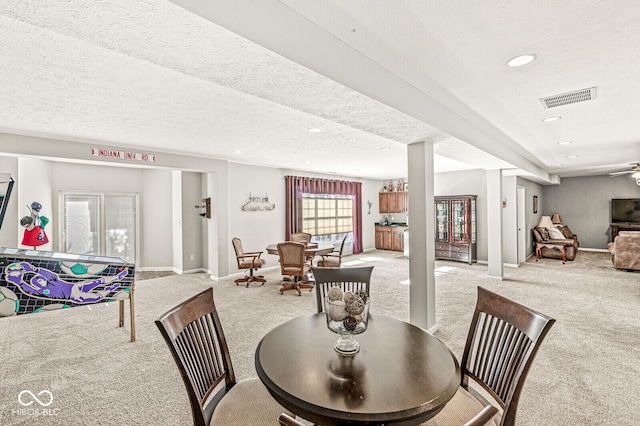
x=123 y=155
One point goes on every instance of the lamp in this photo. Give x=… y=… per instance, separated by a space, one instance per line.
x=545 y=222
x=556 y=218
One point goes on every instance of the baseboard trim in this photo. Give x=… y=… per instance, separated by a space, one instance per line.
x=594 y=249
x=156 y=269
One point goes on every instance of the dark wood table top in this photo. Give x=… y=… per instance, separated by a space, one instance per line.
x=313 y=249
x=401 y=375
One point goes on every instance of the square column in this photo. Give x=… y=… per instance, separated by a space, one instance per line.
x=422 y=295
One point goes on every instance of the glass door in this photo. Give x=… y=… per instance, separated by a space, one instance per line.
x=100 y=224
x=459 y=224
x=442 y=220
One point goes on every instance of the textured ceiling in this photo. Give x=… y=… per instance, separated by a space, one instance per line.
x=151 y=75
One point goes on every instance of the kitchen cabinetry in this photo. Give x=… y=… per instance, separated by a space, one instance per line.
x=397 y=238
x=455 y=228
x=390 y=238
x=393 y=202
x=383 y=237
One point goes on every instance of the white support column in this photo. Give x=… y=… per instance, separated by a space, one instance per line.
x=494 y=223
x=422 y=294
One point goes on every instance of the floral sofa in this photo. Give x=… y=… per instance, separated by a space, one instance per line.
x=547 y=238
x=625 y=251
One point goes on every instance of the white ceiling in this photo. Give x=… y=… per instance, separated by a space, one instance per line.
x=255 y=75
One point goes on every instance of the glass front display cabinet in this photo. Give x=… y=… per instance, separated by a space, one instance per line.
x=455 y=228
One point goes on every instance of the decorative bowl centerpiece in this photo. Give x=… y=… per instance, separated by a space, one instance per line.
x=347 y=314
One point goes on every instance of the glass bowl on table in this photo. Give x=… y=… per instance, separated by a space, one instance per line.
x=347 y=315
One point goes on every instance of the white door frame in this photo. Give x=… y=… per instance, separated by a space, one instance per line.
x=522 y=236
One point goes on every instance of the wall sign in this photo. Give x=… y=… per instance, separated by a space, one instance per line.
x=123 y=155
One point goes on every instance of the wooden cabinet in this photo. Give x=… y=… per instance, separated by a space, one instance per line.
x=383 y=237
x=397 y=238
x=390 y=238
x=623 y=226
x=393 y=202
x=455 y=228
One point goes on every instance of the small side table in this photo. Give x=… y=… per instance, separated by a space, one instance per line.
x=560 y=247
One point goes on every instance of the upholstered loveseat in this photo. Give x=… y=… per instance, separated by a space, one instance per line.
x=626 y=250
x=550 y=242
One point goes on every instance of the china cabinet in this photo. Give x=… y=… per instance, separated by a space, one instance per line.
x=455 y=228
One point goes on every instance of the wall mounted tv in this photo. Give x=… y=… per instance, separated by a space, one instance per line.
x=625 y=210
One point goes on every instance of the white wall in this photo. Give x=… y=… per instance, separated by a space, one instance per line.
x=510 y=221
x=256 y=229
x=531 y=219
x=192 y=222
x=35 y=177
x=156 y=239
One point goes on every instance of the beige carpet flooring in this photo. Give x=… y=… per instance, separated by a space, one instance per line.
x=586 y=373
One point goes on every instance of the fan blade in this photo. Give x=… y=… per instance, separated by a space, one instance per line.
x=621 y=173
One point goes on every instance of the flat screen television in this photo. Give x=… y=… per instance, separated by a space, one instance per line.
x=625 y=210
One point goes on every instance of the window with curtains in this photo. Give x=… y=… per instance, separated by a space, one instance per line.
x=326 y=208
x=327 y=217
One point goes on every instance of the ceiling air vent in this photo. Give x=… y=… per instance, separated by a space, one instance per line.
x=569 y=98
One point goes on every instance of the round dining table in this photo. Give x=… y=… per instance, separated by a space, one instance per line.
x=311 y=250
x=401 y=375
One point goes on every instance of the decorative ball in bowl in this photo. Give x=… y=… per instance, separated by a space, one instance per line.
x=347 y=314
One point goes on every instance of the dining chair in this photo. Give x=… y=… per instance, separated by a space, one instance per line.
x=248 y=260
x=194 y=334
x=304 y=238
x=504 y=338
x=301 y=237
x=292 y=264
x=333 y=259
x=348 y=279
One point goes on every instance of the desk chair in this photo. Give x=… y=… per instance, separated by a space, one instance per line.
x=503 y=340
x=301 y=237
x=333 y=259
x=348 y=279
x=250 y=261
x=193 y=332
x=292 y=264
x=304 y=238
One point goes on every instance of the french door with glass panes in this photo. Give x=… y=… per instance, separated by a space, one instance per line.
x=102 y=224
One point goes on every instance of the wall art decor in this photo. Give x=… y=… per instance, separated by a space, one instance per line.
x=257 y=204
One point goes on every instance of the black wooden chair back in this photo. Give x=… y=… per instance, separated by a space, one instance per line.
x=349 y=279
x=194 y=335
x=503 y=340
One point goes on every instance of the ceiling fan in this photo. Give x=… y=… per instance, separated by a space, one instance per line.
x=635 y=172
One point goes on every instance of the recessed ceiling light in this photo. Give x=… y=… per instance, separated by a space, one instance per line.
x=564 y=143
x=237 y=151
x=552 y=118
x=385 y=148
x=314 y=130
x=559 y=165
x=572 y=156
x=306 y=162
x=521 y=60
